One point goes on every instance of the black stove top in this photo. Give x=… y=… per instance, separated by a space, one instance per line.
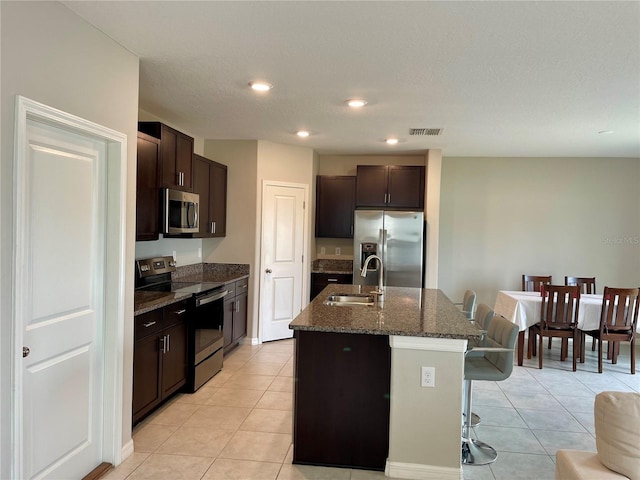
x=154 y=274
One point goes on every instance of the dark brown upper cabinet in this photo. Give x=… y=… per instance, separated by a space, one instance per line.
x=390 y=186
x=147 y=191
x=176 y=150
x=335 y=203
x=210 y=182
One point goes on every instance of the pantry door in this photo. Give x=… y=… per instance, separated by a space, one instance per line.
x=281 y=274
x=61 y=286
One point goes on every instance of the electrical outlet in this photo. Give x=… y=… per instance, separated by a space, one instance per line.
x=199 y=252
x=338 y=250
x=428 y=377
x=322 y=251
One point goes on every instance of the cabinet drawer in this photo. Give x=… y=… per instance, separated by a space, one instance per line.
x=175 y=313
x=231 y=287
x=148 y=323
x=242 y=286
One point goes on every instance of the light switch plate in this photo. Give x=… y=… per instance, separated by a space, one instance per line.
x=428 y=377
x=338 y=251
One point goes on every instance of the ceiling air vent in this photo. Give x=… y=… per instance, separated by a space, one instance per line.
x=425 y=131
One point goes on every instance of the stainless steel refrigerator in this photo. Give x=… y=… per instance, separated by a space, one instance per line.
x=396 y=237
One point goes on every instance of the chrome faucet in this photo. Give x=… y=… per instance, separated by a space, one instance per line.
x=363 y=273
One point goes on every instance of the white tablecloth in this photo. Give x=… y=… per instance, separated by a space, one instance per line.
x=523 y=309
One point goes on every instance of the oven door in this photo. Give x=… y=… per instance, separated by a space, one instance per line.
x=180 y=212
x=206 y=337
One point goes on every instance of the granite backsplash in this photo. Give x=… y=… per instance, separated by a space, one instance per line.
x=331 y=266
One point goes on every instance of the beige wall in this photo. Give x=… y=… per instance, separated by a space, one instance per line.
x=239 y=246
x=503 y=217
x=346 y=164
x=52 y=56
x=249 y=163
x=285 y=163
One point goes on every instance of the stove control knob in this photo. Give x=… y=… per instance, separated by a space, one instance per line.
x=172 y=264
x=144 y=268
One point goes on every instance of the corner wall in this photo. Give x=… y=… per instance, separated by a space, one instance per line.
x=52 y=56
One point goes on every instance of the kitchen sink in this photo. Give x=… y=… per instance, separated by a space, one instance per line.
x=349 y=299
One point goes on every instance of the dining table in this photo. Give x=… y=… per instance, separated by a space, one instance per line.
x=524 y=309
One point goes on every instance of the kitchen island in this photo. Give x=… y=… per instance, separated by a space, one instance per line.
x=358 y=399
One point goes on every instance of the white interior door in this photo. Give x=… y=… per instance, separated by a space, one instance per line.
x=60 y=301
x=282 y=258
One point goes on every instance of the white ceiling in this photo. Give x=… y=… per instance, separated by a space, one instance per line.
x=514 y=78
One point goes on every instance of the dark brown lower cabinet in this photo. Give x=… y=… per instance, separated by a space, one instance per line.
x=235 y=313
x=341 y=400
x=321 y=280
x=159 y=357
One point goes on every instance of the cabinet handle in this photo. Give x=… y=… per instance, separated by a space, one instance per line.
x=332 y=279
x=352 y=230
x=148 y=324
x=389 y=198
x=213 y=227
x=168 y=342
x=242 y=286
x=181 y=179
x=237 y=305
x=163 y=343
x=179 y=312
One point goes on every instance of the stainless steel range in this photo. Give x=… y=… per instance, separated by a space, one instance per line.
x=205 y=339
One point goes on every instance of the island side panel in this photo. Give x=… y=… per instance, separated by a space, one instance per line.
x=341 y=399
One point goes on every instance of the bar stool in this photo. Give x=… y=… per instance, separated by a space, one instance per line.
x=484 y=314
x=495 y=364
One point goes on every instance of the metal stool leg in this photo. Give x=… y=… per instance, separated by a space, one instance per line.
x=474 y=452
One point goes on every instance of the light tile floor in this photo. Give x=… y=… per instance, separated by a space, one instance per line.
x=238 y=426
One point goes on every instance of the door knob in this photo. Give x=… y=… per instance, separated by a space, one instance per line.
x=25 y=352
x=268 y=270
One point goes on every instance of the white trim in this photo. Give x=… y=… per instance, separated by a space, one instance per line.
x=415 y=471
x=428 y=343
x=115 y=273
x=127 y=450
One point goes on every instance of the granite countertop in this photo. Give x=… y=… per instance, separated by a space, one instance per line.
x=404 y=311
x=146 y=301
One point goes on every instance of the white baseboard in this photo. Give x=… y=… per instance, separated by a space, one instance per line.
x=127 y=450
x=415 y=471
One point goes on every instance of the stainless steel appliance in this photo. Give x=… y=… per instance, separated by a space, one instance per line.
x=394 y=236
x=180 y=211
x=205 y=317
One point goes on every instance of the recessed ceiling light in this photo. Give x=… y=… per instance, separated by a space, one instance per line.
x=391 y=141
x=605 y=132
x=261 y=86
x=356 y=102
x=302 y=133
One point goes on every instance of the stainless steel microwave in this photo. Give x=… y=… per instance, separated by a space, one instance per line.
x=181 y=211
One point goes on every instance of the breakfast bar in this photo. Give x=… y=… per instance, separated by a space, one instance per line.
x=362 y=398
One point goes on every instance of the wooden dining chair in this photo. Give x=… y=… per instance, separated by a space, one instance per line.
x=558 y=318
x=587 y=284
x=532 y=283
x=618 y=321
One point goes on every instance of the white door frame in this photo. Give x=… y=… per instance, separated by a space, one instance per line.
x=305 y=239
x=114 y=272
